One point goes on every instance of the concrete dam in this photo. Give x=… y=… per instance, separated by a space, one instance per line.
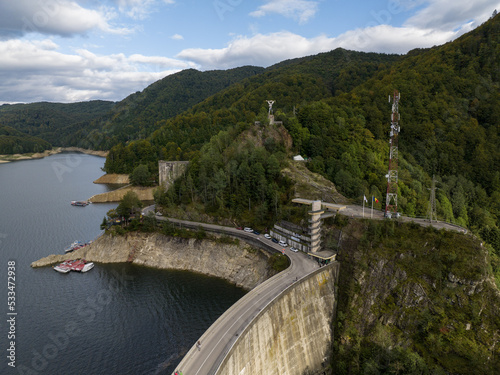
x=293 y=334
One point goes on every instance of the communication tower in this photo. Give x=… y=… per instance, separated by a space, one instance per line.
x=391 y=202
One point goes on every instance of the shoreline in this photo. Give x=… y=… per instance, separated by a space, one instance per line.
x=53 y=151
x=145 y=194
x=240 y=264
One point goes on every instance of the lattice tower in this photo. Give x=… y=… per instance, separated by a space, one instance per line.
x=391 y=202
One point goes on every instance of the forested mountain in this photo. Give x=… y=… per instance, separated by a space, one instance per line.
x=52 y=121
x=139 y=114
x=99 y=125
x=291 y=84
x=414 y=300
x=13 y=141
x=334 y=107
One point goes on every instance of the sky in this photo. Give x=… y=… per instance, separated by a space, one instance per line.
x=78 y=50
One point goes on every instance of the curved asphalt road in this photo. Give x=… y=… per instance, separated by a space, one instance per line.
x=219 y=338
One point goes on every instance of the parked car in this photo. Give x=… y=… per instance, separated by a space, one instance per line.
x=283 y=243
x=239 y=228
x=295 y=250
x=256 y=232
x=267 y=236
x=247 y=229
x=275 y=240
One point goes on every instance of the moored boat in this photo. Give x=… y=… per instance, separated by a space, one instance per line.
x=64 y=267
x=78 y=265
x=75 y=246
x=79 y=203
x=81 y=265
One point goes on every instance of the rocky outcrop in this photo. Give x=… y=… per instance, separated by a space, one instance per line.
x=410 y=295
x=239 y=264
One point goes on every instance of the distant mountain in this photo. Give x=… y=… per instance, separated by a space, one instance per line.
x=52 y=121
x=13 y=141
x=294 y=82
x=139 y=114
x=101 y=124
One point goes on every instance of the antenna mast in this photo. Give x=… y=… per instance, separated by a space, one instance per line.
x=391 y=202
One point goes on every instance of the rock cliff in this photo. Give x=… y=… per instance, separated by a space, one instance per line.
x=239 y=264
x=415 y=300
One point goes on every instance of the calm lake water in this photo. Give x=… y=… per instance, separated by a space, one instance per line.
x=115 y=319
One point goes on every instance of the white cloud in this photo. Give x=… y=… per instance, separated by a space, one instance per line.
x=300 y=10
x=265 y=50
x=177 y=37
x=164 y=62
x=389 y=39
x=53 y=17
x=36 y=70
x=452 y=15
x=435 y=24
x=262 y=50
x=140 y=9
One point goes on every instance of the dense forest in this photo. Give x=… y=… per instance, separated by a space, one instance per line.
x=52 y=122
x=13 y=141
x=99 y=125
x=141 y=113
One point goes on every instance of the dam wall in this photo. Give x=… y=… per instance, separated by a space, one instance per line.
x=293 y=334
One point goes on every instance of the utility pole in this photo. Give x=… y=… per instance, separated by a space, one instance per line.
x=391 y=202
x=432 y=200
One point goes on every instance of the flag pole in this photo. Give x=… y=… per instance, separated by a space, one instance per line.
x=371 y=217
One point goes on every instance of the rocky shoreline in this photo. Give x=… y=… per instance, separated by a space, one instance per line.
x=240 y=264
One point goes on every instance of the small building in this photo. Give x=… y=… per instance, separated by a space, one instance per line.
x=298 y=158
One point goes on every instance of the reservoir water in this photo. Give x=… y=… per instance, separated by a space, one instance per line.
x=116 y=319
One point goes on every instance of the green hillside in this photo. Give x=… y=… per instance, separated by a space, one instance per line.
x=13 y=141
x=141 y=113
x=100 y=125
x=292 y=84
x=52 y=121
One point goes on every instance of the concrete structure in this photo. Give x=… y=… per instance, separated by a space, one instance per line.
x=293 y=334
x=319 y=211
x=315 y=226
x=169 y=171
